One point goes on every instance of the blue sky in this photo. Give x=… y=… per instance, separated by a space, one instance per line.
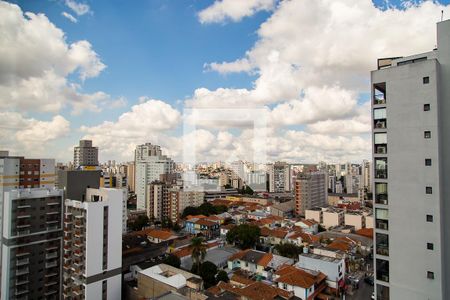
x=160 y=49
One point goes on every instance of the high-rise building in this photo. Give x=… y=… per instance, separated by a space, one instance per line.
x=311 y=190
x=17 y=172
x=84 y=155
x=257 y=181
x=279 y=177
x=75 y=182
x=32 y=244
x=93 y=245
x=179 y=199
x=366 y=176
x=411 y=136
x=150 y=164
x=131 y=173
x=158 y=205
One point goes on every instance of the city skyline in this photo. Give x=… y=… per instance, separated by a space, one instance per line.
x=212 y=54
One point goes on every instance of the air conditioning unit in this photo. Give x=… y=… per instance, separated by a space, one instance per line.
x=383 y=226
x=381 y=150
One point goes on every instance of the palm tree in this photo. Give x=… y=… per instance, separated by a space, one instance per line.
x=198 y=252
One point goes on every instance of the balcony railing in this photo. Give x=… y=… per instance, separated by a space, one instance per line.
x=51 y=255
x=23 y=261
x=22 y=271
x=51 y=264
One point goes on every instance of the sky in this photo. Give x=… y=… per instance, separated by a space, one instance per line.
x=290 y=79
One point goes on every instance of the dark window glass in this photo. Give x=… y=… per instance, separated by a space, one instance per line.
x=427 y=161
x=426 y=80
x=427 y=134
x=430 y=246
x=430 y=275
x=428 y=190
x=429 y=218
x=426 y=107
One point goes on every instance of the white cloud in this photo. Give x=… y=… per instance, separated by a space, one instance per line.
x=222 y=10
x=36 y=61
x=240 y=65
x=79 y=8
x=69 y=17
x=147 y=121
x=18 y=132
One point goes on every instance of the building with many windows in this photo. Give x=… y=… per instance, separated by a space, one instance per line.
x=32 y=244
x=311 y=190
x=92 y=263
x=411 y=143
x=150 y=164
x=279 y=177
x=85 y=155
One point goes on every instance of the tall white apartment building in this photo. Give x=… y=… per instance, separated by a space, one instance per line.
x=93 y=245
x=411 y=153
x=150 y=163
x=279 y=177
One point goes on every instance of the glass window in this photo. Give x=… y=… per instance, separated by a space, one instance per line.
x=427 y=161
x=426 y=107
x=382 y=218
x=381 y=193
x=382 y=244
x=426 y=80
x=379 y=113
x=380 y=138
x=382 y=292
x=429 y=218
x=430 y=246
x=428 y=190
x=381 y=168
x=427 y=134
x=382 y=270
x=430 y=275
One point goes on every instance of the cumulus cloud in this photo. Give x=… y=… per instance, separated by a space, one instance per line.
x=79 y=8
x=18 y=132
x=223 y=10
x=147 y=121
x=69 y=17
x=36 y=61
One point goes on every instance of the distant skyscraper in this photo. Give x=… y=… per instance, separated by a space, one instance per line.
x=93 y=245
x=85 y=155
x=310 y=191
x=158 y=205
x=411 y=153
x=131 y=173
x=32 y=244
x=279 y=177
x=75 y=182
x=150 y=164
x=179 y=199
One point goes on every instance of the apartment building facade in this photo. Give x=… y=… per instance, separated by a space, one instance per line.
x=93 y=245
x=85 y=155
x=411 y=142
x=279 y=177
x=150 y=164
x=310 y=191
x=32 y=244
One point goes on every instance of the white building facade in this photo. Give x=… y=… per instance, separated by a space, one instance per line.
x=411 y=146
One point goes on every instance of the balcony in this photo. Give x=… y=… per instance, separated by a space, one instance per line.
x=23 y=206
x=51 y=255
x=52 y=227
x=51 y=283
x=52 y=213
x=22 y=271
x=21 y=291
x=51 y=264
x=51 y=275
x=51 y=292
x=22 y=262
x=22 y=281
x=53 y=203
x=22 y=226
x=21 y=253
x=23 y=215
x=23 y=232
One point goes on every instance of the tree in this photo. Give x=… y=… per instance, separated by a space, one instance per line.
x=176 y=227
x=246 y=190
x=289 y=250
x=208 y=272
x=244 y=236
x=198 y=252
x=173 y=260
x=139 y=223
x=206 y=209
x=222 y=276
x=190 y=210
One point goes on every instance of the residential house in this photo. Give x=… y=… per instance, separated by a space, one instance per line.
x=305 y=284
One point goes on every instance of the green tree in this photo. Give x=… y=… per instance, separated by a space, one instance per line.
x=139 y=223
x=173 y=260
x=244 y=236
x=289 y=250
x=208 y=272
x=190 y=210
x=198 y=247
x=222 y=276
x=246 y=190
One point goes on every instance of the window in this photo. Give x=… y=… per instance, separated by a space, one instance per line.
x=427 y=162
x=427 y=134
x=426 y=107
x=430 y=246
x=379 y=93
x=381 y=194
x=430 y=275
x=382 y=244
x=379 y=117
x=382 y=218
x=380 y=141
x=381 y=168
x=429 y=218
x=426 y=80
x=382 y=270
x=428 y=190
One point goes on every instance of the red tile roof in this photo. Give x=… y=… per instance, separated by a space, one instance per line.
x=298 y=277
x=367 y=232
